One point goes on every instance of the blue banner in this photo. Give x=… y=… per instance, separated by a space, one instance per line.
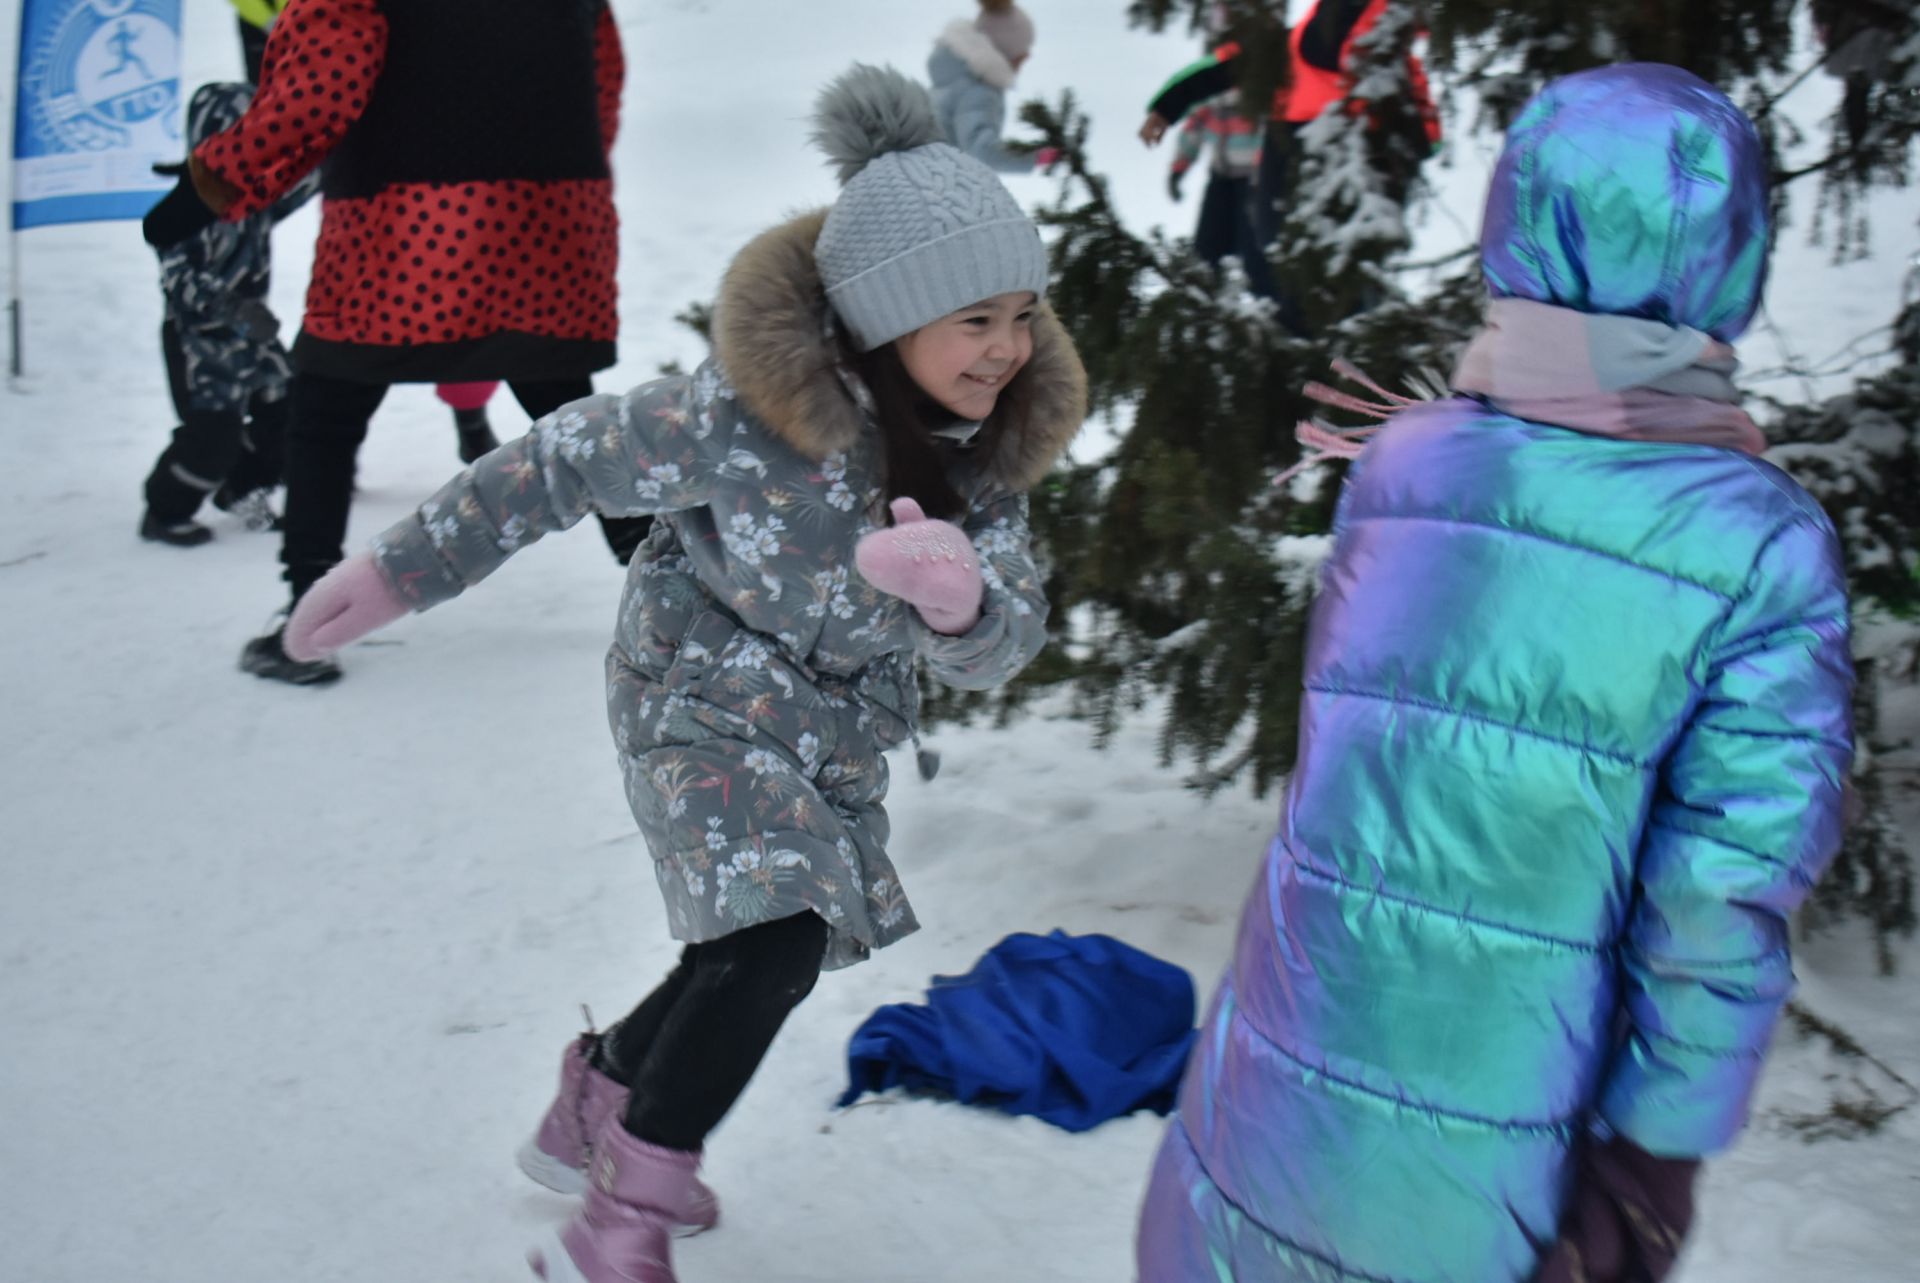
x=98 y=105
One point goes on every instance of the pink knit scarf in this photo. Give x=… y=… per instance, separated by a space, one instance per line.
x=1612 y=376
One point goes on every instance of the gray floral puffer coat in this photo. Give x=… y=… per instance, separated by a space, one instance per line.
x=755 y=679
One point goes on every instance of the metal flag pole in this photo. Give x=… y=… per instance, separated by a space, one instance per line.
x=16 y=365
x=16 y=361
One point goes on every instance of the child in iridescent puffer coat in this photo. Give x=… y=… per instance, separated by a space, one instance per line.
x=1572 y=747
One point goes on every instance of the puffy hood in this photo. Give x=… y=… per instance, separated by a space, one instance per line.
x=1634 y=190
x=770 y=334
x=974 y=53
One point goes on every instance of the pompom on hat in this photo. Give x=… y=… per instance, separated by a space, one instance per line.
x=921 y=229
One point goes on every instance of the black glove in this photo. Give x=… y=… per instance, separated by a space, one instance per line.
x=1173 y=182
x=180 y=214
x=256 y=320
x=1629 y=1215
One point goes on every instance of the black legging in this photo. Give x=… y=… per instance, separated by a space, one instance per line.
x=690 y=1048
x=327 y=423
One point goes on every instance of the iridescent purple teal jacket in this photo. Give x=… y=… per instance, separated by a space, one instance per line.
x=1574 y=741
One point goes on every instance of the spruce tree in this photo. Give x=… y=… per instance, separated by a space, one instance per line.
x=1178 y=567
x=1859 y=455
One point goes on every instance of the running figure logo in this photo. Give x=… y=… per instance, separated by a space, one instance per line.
x=123 y=41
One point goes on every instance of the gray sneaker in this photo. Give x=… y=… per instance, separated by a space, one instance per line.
x=254 y=508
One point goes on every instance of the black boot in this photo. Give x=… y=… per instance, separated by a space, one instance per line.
x=184 y=533
x=476 y=435
x=266 y=656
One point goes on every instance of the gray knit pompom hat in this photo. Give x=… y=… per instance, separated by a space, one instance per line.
x=921 y=229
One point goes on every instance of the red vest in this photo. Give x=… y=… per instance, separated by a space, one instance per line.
x=1312 y=89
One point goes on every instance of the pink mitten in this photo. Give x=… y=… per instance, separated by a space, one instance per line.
x=351 y=600
x=928 y=564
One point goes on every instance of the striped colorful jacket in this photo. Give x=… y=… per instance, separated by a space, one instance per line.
x=1235 y=139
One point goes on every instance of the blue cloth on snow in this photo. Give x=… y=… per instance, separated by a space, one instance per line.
x=1072 y=1029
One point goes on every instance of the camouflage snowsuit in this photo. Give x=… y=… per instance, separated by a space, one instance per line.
x=215 y=283
x=755 y=679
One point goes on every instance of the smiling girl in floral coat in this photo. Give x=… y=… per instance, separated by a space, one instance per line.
x=889 y=354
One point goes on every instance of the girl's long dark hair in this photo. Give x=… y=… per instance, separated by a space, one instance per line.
x=915 y=461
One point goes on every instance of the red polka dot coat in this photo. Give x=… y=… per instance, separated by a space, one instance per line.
x=467 y=228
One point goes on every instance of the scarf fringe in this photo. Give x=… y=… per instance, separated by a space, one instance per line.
x=1328 y=442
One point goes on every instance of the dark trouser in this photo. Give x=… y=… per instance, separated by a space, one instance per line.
x=240 y=448
x=1223 y=214
x=1268 y=214
x=329 y=421
x=690 y=1048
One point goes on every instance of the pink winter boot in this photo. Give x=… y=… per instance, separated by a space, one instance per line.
x=558 y=1154
x=623 y=1233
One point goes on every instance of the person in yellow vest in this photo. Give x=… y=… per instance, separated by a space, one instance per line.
x=468 y=401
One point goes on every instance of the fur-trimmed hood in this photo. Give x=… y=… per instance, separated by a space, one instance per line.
x=771 y=335
x=971 y=46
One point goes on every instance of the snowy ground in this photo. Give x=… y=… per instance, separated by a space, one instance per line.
x=284 y=974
